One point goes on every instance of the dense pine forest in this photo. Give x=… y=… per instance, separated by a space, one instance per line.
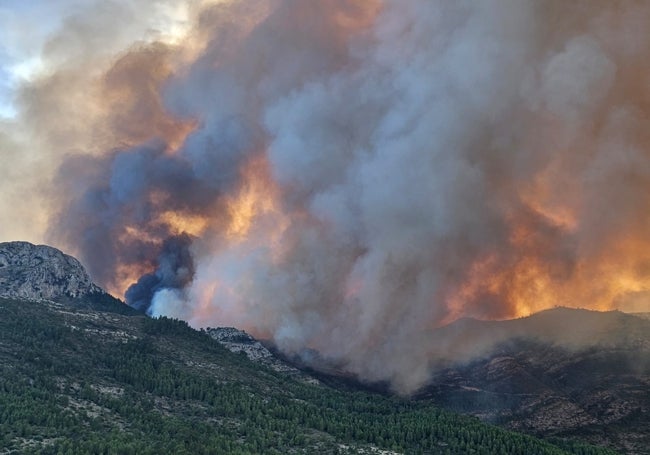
x=93 y=377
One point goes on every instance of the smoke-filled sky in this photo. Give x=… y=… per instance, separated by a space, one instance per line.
x=338 y=175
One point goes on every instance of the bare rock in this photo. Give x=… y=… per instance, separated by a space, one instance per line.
x=236 y=340
x=41 y=272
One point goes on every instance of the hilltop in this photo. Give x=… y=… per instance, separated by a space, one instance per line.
x=41 y=272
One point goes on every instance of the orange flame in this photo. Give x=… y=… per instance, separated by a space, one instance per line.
x=257 y=196
x=615 y=274
x=255 y=209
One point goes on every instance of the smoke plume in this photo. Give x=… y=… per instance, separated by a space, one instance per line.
x=174 y=270
x=348 y=175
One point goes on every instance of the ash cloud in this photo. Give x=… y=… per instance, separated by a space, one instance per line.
x=422 y=161
x=115 y=204
x=174 y=270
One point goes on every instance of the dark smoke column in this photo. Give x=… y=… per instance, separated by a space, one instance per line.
x=174 y=270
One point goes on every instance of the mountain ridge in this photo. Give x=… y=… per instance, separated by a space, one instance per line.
x=83 y=380
x=35 y=272
x=77 y=313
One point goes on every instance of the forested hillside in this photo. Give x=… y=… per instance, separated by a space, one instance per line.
x=94 y=377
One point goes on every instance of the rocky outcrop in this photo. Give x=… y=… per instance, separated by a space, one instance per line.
x=41 y=272
x=236 y=340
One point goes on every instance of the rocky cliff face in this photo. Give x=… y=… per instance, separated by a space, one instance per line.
x=41 y=272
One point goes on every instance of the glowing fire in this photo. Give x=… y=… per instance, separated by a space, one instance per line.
x=616 y=275
x=257 y=196
x=189 y=223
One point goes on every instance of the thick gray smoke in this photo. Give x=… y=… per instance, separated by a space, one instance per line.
x=124 y=191
x=424 y=160
x=174 y=270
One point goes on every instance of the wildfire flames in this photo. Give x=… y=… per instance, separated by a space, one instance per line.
x=348 y=175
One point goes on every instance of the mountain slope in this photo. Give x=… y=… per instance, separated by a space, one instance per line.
x=561 y=372
x=77 y=377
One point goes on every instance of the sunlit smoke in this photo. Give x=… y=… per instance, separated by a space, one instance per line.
x=348 y=175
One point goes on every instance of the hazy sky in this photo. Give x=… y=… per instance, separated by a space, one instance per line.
x=42 y=41
x=24 y=28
